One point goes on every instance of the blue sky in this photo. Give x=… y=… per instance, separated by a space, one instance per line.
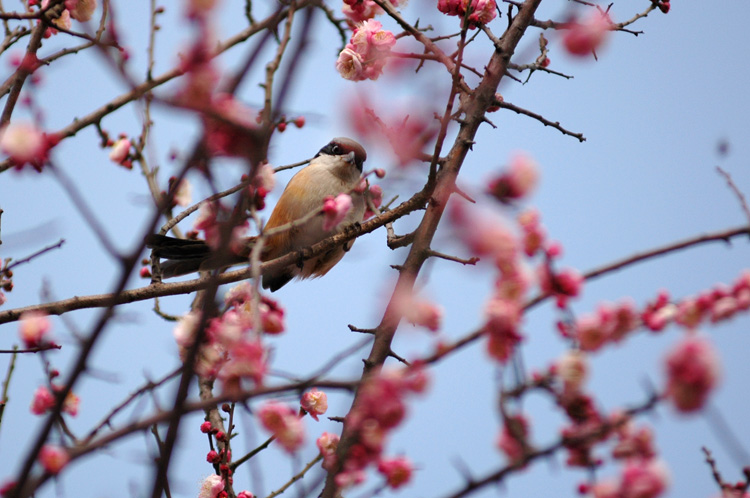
x=654 y=109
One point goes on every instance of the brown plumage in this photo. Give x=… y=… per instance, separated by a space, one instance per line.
x=334 y=170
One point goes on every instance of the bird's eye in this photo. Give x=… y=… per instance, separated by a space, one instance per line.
x=336 y=150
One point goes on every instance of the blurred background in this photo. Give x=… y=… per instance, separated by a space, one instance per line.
x=660 y=111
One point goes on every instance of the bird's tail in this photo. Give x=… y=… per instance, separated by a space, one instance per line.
x=183 y=256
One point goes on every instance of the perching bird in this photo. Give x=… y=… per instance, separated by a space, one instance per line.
x=335 y=169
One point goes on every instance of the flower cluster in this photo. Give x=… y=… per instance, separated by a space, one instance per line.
x=365 y=55
x=231 y=348
x=638 y=479
x=284 y=423
x=44 y=400
x=609 y=324
x=714 y=305
x=692 y=373
x=380 y=410
x=474 y=12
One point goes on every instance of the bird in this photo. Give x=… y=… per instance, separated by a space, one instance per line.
x=335 y=169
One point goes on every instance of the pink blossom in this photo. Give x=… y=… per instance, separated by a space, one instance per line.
x=271 y=316
x=71 y=403
x=349 y=478
x=397 y=471
x=284 y=423
x=350 y=64
x=335 y=210
x=183 y=193
x=3 y=298
x=327 y=444
x=211 y=487
x=365 y=55
x=42 y=401
x=644 y=479
x=692 y=373
x=359 y=11
x=314 y=402
x=53 y=458
x=512 y=440
x=534 y=235
x=81 y=10
x=482 y=12
x=634 y=443
x=34 y=329
x=184 y=331
x=245 y=494
x=24 y=144
x=120 y=150
x=584 y=37
x=518 y=181
x=573 y=370
x=200 y=8
x=247 y=360
x=423 y=313
x=233 y=138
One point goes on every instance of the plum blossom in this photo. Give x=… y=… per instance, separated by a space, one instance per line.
x=512 y=440
x=365 y=55
x=585 y=36
x=327 y=444
x=572 y=368
x=211 y=487
x=480 y=11
x=284 y=423
x=520 y=178
x=397 y=471
x=34 y=329
x=644 y=479
x=42 y=401
x=25 y=144
x=53 y=458
x=81 y=10
x=315 y=403
x=692 y=373
x=335 y=210
x=120 y=150
x=360 y=11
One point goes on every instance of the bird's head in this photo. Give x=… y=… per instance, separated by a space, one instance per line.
x=347 y=149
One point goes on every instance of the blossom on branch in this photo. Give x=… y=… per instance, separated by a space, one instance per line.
x=365 y=55
x=692 y=373
x=335 y=210
x=34 y=329
x=584 y=37
x=24 y=143
x=81 y=10
x=476 y=12
x=284 y=423
x=314 y=402
x=397 y=471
